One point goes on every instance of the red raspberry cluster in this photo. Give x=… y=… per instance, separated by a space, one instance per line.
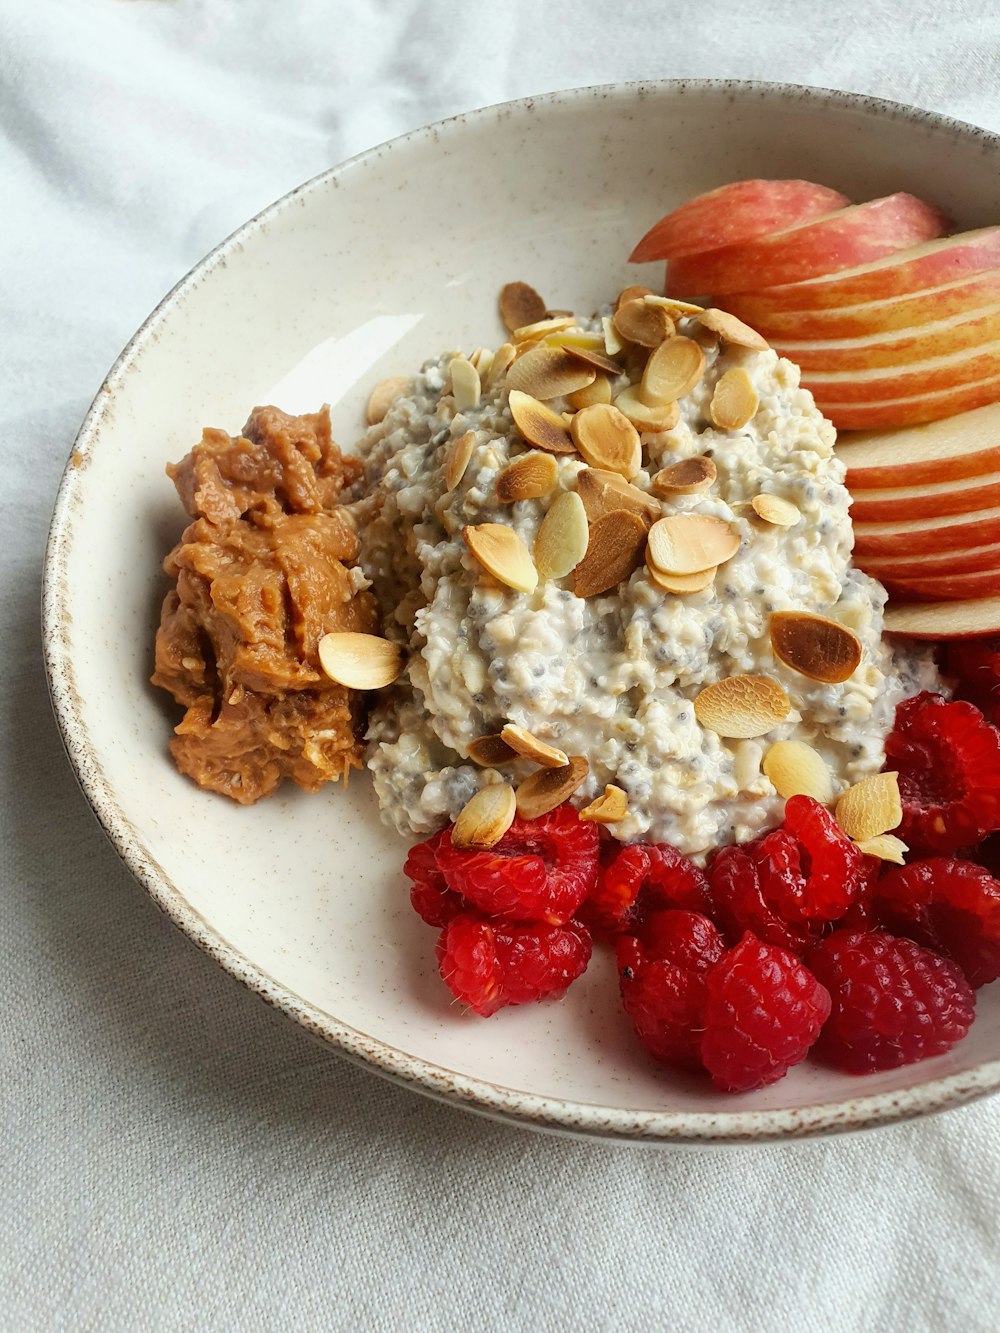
x=790 y=944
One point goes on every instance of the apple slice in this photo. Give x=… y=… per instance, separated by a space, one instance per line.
x=736 y=212
x=963 y=446
x=897 y=348
x=924 y=501
x=932 y=264
x=954 y=532
x=893 y=312
x=897 y=412
x=972 y=365
x=944 y=620
x=840 y=240
x=976 y=560
x=947 y=588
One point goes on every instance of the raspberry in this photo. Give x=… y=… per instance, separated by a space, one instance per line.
x=540 y=870
x=950 y=906
x=763 y=1011
x=491 y=964
x=894 y=1002
x=740 y=904
x=640 y=877
x=662 y=980
x=976 y=663
x=835 y=869
x=430 y=896
x=948 y=759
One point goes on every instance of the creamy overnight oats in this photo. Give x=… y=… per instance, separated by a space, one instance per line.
x=614 y=676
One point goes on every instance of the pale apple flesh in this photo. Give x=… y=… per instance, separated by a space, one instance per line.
x=966 y=445
x=975 y=560
x=956 y=532
x=733 y=213
x=944 y=620
x=936 y=498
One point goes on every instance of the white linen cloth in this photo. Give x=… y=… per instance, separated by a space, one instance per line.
x=174 y=1154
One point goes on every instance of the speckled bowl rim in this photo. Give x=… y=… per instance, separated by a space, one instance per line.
x=505 y=1103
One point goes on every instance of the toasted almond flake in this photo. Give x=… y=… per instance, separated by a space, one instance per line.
x=603 y=492
x=741 y=707
x=556 y=314
x=681 y=583
x=502 y=553
x=485 y=817
x=549 y=787
x=531 y=333
x=360 y=661
x=690 y=543
x=731 y=330
x=643 y=417
x=674 y=308
x=384 y=395
x=795 y=769
x=527 y=478
x=635 y=292
x=520 y=304
x=457 y=458
x=584 y=340
x=561 y=542
x=871 y=807
x=590 y=394
x=614 y=552
x=671 y=372
x=610 y=808
x=539 y=425
x=491 y=751
x=612 y=343
x=503 y=359
x=689 y=476
x=530 y=747
x=886 y=847
x=647 y=325
x=596 y=360
x=773 y=509
x=734 y=400
x=814 y=646
x=549 y=372
x=465 y=383
x=607 y=439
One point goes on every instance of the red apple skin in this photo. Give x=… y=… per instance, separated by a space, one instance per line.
x=963 y=466
x=919 y=379
x=944 y=620
x=949 y=588
x=977 y=330
x=926 y=535
x=977 y=560
x=872 y=318
x=941 y=262
x=890 y=414
x=880 y=507
x=735 y=213
x=845 y=239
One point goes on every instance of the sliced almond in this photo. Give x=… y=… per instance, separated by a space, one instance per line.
x=642 y=416
x=795 y=769
x=485 y=818
x=614 y=552
x=465 y=383
x=689 y=476
x=520 y=304
x=557 y=314
x=532 y=333
x=741 y=707
x=647 y=325
x=607 y=809
x=613 y=344
x=561 y=542
x=634 y=292
x=491 y=751
x=527 y=478
x=886 y=847
x=734 y=400
x=384 y=395
x=539 y=425
x=871 y=807
x=814 y=646
x=690 y=543
x=607 y=439
x=672 y=371
x=674 y=308
x=530 y=747
x=503 y=359
x=594 y=359
x=681 y=583
x=360 y=661
x=502 y=553
x=590 y=394
x=549 y=787
x=773 y=509
x=549 y=372
x=731 y=330
x=457 y=458
x=602 y=492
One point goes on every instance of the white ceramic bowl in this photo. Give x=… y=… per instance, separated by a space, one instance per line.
x=368 y=270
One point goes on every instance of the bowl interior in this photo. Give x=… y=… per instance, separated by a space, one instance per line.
x=368 y=271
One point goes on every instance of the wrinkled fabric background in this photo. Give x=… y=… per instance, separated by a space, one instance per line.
x=175 y=1155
